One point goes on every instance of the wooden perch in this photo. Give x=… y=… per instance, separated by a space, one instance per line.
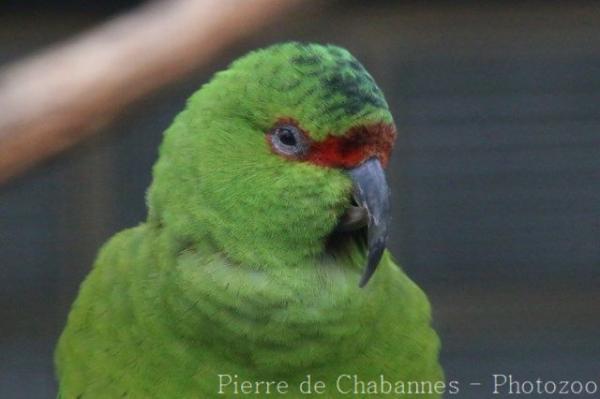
x=56 y=98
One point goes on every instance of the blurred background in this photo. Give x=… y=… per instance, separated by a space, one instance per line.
x=495 y=177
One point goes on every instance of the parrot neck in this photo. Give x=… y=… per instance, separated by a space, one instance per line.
x=273 y=319
x=247 y=245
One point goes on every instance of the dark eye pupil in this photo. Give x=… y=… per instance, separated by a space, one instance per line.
x=287 y=137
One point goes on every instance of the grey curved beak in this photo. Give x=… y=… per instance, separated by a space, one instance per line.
x=372 y=194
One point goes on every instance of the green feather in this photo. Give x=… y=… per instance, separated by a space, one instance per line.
x=230 y=274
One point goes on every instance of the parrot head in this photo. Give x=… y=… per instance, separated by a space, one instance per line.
x=277 y=157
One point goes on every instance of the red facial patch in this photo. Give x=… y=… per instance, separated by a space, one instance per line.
x=356 y=145
x=352 y=148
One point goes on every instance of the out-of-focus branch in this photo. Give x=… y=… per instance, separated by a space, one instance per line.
x=55 y=99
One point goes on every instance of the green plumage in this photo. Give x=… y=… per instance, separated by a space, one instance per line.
x=231 y=273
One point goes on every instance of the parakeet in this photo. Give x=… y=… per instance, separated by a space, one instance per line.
x=268 y=216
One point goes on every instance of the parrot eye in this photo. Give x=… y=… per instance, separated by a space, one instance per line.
x=288 y=140
x=286 y=136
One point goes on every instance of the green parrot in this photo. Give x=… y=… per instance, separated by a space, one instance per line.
x=268 y=215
